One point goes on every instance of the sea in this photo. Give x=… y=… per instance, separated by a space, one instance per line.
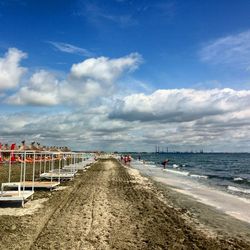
x=228 y=172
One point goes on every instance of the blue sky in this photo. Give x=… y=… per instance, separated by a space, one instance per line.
x=160 y=46
x=168 y=34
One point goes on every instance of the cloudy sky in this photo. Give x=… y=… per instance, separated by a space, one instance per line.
x=126 y=74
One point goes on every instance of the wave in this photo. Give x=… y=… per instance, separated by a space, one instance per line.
x=199 y=176
x=186 y=173
x=238 y=179
x=186 y=166
x=176 y=172
x=240 y=190
x=220 y=177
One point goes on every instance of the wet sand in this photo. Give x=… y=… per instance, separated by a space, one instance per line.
x=230 y=204
x=112 y=207
x=235 y=206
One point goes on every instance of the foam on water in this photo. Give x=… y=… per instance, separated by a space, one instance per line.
x=176 y=172
x=199 y=176
x=237 y=189
x=238 y=179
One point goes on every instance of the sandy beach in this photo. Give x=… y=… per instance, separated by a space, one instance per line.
x=110 y=206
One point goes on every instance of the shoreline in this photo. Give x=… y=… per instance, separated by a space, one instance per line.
x=232 y=205
x=203 y=216
x=236 y=206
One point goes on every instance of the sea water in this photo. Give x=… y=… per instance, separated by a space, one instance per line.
x=229 y=172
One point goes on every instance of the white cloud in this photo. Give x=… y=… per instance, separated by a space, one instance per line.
x=71 y=49
x=81 y=92
x=96 y=78
x=41 y=90
x=88 y=128
x=10 y=70
x=43 y=81
x=92 y=128
x=105 y=69
x=231 y=50
x=179 y=118
x=180 y=105
x=87 y=82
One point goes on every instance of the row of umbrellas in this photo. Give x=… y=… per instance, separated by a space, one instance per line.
x=34 y=146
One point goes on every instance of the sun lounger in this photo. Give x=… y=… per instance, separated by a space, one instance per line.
x=35 y=184
x=57 y=175
x=16 y=196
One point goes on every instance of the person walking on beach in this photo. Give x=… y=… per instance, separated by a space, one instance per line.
x=165 y=163
x=125 y=159
x=129 y=159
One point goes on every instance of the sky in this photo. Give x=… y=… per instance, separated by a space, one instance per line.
x=126 y=75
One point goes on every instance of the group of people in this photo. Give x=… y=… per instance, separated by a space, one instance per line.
x=126 y=159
